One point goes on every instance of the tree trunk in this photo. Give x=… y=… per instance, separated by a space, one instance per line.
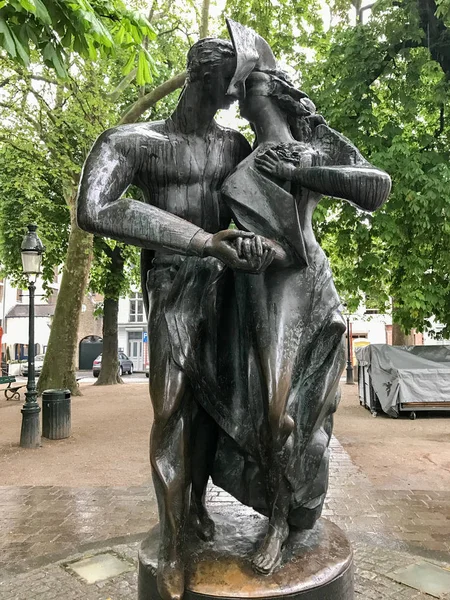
x=58 y=370
x=109 y=371
x=400 y=338
x=205 y=19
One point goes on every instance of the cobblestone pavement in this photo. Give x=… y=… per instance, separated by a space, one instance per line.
x=40 y=527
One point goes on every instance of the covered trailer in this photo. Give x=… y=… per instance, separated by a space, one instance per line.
x=404 y=378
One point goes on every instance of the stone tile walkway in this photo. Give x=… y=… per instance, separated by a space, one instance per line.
x=415 y=521
x=40 y=527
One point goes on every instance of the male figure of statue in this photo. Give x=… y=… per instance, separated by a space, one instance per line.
x=180 y=165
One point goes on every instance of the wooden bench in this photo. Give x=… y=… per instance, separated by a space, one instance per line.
x=11 y=391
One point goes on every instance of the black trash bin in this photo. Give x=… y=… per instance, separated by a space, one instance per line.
x=56 y=414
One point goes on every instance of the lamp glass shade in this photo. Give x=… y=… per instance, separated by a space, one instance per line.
x=31 y=249
x=31 y=262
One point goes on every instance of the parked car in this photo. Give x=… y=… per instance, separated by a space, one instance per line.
x=38 y=362
x=125 y=365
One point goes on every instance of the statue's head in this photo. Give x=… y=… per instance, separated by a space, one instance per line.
x=274 y=85
x=261 y=83
x=211 y=63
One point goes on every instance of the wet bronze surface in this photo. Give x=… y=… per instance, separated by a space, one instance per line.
x=247 y=335
x=223 y=568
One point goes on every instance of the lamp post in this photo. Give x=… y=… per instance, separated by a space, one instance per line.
x=31 y=250
x=349 y=356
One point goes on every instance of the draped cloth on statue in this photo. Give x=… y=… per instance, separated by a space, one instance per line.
x=290 y=319
x=220 y=323
x=291 y=316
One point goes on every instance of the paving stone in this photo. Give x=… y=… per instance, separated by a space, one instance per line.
x=44 y=526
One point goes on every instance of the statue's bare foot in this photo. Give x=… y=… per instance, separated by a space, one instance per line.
x=269 y=554
x=170 y=579
x=203 y=525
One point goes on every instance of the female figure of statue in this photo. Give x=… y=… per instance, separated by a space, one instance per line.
x=289 y=315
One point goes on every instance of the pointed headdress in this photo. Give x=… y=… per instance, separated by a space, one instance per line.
x=253 y=54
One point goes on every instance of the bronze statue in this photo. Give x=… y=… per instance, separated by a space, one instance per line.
x=245 y=332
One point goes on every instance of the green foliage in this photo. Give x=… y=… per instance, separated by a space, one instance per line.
x=115 y=270
x=30 y=193
x=58 y=28
x=47 y=130
x=384 y=83
x=48 y=127
x=378 y=84
x=286 y=25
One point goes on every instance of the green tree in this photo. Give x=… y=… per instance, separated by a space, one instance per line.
x=384 y=83
x=380 y=75
x=30 y=192
x=49 y=124
x=71 y=113
x=108 y=277
x=58 y=28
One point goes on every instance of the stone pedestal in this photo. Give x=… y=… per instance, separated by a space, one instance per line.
x=316 y=565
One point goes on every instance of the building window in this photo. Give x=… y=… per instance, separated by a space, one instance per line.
x=2 y=285
x=136 y=308
x=19 y=295
x=20 y=351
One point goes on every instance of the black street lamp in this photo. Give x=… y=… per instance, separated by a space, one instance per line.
x=32 y=250
x=349 y=356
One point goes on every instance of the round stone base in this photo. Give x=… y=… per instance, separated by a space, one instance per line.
x=316 y=565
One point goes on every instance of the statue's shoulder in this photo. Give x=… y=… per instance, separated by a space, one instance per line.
x=235 y=138
x=126 y=136
x=336 y=146
x=246 y=169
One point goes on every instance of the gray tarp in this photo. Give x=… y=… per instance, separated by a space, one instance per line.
x=401 y=374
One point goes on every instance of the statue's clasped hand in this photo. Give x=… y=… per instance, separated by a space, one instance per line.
x=241 y=250
x=271 y=163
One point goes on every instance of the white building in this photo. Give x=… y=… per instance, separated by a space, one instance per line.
x=371 y=325
x=14 y=305
x=132 y=325
x=429 y=340
x=16 y=336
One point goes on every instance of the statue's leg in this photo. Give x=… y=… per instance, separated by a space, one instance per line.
x=169 y=457
x=277 y=450
x=204 y=442
x=274 y=315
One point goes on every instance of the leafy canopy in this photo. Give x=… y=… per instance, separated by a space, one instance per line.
x=93 y=30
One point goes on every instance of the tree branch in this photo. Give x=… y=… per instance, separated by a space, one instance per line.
x=115 y=94
x=167 y=31
x=439 y=130
x=150 y=99
x=436 y=34
x=77 y=94
x=390 y=56
x=44 y=104
x=25 y=115
x=205 y=19
x=29 y=153
x=102 y=245
x=6 y=81
x=45 y=79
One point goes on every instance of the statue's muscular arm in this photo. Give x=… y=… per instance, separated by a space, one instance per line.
x=110 y=168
